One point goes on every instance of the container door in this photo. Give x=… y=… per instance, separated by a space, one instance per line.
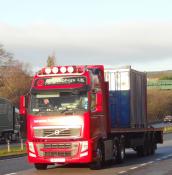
x=119 y=99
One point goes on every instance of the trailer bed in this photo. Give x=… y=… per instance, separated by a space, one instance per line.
x=125 y=130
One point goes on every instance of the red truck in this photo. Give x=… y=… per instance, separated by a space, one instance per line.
x=87 y=114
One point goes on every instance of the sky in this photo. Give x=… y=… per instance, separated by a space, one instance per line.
x=108 y=32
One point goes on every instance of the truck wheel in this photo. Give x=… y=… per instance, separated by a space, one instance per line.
x=153 y=147
x=120 y=152
x=40 y=166
x=97 y=164
x=115 y=150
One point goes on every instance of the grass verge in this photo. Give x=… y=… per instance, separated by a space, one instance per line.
x=14 y=150
x=168 y=129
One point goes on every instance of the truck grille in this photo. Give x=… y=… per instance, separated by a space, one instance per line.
x=57 y=154
x=57 y=132
x=59 y=146
x=65 y=149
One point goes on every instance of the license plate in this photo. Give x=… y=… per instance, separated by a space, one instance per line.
x=57 y=160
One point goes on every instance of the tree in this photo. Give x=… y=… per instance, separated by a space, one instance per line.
x=6 y=58
x=15 y=77
x=51 y=61
x=16 y=81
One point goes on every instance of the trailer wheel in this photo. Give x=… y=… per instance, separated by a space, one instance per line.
x=120 y=152
x=152 y=149
x=40 y=166
x=144 y=150
x=97 y=164
x=139 y=151
x=149 y=150
x=150 y=146
x=153 y=146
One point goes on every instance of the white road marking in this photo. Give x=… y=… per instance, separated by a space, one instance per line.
x=10 y=174
x=150 y=162
x=158 y=159
x=164 y=157
x=133 y=168
x=122 y=172
x=146 y=163
x=143 y=164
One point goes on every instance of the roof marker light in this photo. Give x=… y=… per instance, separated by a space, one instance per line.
x=70 y=69
x=47 y=70
x=80 y=70
x=55 y=70
x=63 y=69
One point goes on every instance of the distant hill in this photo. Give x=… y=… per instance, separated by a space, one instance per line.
x=166 y=75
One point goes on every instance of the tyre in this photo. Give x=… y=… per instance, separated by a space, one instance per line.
x=139 y=151
x=120 y=152
x=153 y=146
x=149 y=149
x=142 y=151
x=153 y=149
x=149 y=146
x=98 y=163
x=115 y=150
x=40 y=166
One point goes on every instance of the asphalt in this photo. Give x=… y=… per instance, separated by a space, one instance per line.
x=12 y=156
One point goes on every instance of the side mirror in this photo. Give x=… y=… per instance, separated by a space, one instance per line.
x=99 y=102
x=22 y=108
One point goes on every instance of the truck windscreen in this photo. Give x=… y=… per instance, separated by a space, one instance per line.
x=57 y=102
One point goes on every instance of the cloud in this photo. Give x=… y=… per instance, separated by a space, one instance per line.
x=119 y=43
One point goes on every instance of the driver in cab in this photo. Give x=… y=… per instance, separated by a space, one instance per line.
x=47 y=104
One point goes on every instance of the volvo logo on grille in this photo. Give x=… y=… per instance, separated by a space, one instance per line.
x=56 y=132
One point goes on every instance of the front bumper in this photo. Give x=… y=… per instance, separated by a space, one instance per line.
x=60 y=152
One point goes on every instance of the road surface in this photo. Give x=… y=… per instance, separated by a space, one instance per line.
x=159 y=164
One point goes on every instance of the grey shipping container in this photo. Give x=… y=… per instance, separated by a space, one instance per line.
x=127 y=97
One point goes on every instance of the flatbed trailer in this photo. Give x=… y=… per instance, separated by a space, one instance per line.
x=132 y=130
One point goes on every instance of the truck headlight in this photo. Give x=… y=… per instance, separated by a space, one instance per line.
x=84 y=146
x=31 y=147
x=38 y=132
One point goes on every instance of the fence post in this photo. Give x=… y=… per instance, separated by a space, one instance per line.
x=22 y=147
x=8 y=145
